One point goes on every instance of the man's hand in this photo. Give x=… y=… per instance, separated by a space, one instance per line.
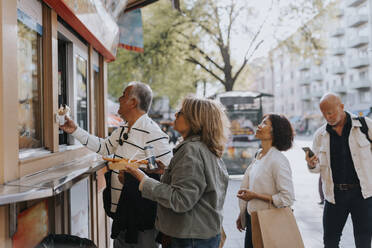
x=239 y=225
x=69 y=126
x=246 y=195
x=311 y=161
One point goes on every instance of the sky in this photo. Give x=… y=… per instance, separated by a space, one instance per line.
x=262 y=10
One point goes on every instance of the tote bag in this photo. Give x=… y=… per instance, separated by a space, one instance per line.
x=275 y=228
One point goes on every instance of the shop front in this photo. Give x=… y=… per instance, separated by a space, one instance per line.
x=54 y=52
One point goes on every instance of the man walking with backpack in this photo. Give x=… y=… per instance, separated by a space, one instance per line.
x=343 y=157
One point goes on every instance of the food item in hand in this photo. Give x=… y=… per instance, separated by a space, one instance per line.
x=116 y=160
x=121 y=163
x=62 y=112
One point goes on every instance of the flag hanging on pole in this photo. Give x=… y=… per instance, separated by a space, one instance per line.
x=131 y=31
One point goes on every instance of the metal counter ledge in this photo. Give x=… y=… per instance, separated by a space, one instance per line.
x=51 y=181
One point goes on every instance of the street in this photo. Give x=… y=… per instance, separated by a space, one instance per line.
x=307 y=211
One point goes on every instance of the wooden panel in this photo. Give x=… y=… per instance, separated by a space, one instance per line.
x=8 y=91
x=50 y=72
x=93 y=213
x=101 y=183
x=91 y=89
x=101 y=222
x=5 y=241
x=101 y=101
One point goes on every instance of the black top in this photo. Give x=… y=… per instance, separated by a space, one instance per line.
x=343 y=170
x=134 y=213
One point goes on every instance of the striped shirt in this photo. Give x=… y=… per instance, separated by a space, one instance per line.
x=143 y=132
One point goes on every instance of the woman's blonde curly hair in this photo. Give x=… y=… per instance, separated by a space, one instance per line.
x=207 y=119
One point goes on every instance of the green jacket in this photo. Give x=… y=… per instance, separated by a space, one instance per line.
x=191 y=193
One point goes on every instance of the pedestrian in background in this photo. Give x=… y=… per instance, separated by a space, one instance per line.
x=268 y=180
x=192 y=190
x=343 y=157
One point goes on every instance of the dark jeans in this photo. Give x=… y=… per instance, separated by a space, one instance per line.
x=248 y=232
x=335 y=216
x=213 y=242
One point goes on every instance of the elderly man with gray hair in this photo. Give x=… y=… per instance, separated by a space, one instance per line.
x=133 y=216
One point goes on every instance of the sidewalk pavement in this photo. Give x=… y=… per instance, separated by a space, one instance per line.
x=307 y=211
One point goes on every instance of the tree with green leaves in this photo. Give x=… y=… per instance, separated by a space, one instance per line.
x=162 y=64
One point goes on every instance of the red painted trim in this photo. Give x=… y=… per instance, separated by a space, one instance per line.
x=69 y=16
x=131 y=48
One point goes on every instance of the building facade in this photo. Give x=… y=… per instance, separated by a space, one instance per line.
x=344 y=65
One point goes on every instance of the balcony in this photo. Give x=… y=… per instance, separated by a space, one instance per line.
x=354 y=3
x=338 y=69
x=339 y=12
x=304 y=66
x=317 y=94
x=304 y=80
x=361 y=84
x=337 y=51
x=316 y=76
x=305 y=97
x=340 y=89
x=338 y=32
x=356 y=63
x=357 y=20
x=358 y=41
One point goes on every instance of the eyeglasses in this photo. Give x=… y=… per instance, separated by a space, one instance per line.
x=178 y=113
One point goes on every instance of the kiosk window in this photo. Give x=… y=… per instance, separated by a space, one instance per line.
x=29 y=83
x=62 y=82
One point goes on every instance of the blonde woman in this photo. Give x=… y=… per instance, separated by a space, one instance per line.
x=192 y=190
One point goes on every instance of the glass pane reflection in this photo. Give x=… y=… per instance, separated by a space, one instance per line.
x=29 y=87
x=81 y=86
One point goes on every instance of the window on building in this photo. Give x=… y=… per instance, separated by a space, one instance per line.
x=82 y=92
x=351 y=99
x=363 y=74
x=365 y=97
x=29 y=47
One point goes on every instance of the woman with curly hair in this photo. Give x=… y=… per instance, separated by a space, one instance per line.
x=192 y=190
x=268 y=180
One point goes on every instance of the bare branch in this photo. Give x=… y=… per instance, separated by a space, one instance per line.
x=204 y=54
x=219 y=30
x=245 y=61
x=258 y=31
x=196 y=62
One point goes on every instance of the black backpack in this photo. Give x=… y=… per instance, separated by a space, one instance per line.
x=364 y=127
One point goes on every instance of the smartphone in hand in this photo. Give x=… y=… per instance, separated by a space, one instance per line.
x=307 y=149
